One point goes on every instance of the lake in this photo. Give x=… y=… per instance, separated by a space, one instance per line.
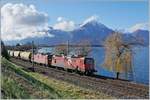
x=140 y=63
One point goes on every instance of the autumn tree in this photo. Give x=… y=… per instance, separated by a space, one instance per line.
x=118 y=54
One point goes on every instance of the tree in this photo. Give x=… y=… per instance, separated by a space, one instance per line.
x=23 y=47
x=18 y=44
x=118 y=54
x=4 y=51
x=61 y=49
x=84 y=48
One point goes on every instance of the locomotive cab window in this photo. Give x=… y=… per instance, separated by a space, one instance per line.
x=89 y=61
x=49 y=57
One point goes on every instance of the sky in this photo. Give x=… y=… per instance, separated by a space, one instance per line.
x=115 y=14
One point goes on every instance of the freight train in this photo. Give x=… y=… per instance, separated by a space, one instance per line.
x=75 y=63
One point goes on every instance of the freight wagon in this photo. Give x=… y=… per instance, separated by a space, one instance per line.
x=25 y=55
x=11 y=53
x=17 y=54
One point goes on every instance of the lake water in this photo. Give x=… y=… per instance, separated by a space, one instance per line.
x=140 y=63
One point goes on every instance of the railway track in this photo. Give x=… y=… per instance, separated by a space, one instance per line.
x=116 y=88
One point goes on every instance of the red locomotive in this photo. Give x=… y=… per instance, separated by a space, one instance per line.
x=42 y=59
x=82 y=64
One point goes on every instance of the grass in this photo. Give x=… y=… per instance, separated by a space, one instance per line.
x=37 y=88
x=11 y=89
x=68 y=91
x=41 y=86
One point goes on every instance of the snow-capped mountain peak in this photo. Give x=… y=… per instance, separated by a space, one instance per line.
x=139 y=26
x=94 y=20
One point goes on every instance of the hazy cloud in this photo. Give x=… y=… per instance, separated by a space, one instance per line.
x=64 y=25
x=60 y=19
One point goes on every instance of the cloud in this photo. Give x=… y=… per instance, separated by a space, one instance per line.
x=142 y=26
x=64 y=25
x=60 y=19
x=91 y=18
x=19 y=21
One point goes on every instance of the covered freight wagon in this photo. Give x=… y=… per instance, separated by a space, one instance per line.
x=25 y=55
x=17 y=54
x=11 y=53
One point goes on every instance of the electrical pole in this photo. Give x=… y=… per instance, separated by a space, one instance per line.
x=33 y=55
x=67 y=47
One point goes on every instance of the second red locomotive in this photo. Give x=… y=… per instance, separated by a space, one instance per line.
x=82 y=64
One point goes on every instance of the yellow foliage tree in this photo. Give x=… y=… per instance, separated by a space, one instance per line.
x=118 y=54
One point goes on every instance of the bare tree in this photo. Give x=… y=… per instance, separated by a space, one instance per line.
x=84 y=48
x=61 y=49
x=118 y=54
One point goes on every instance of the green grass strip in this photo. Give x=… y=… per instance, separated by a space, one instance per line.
x=31 y=79
x=11 y=89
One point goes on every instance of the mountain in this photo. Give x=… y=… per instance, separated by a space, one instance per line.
x=58 y=36
x=93 y=31
x=51 y=37
x=137 y=37
x=142 y=35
